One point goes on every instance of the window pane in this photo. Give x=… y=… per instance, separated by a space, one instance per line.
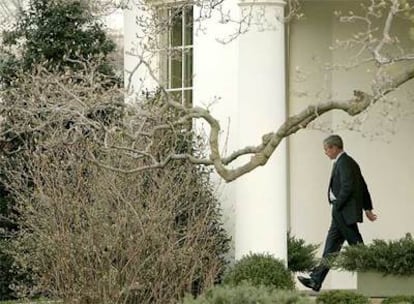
x=177 y=27
x=176 y=75
x=176 y=96
x=188 y=68
x=188 y=28
x=188 y=98
x=164 y=67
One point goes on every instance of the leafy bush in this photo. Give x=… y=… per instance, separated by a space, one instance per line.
x=301 y=256
x=59 y=34
x=260 y=269
x=6 y=275
x=341 y=297
x=6 y=260
x=394 y=257
x=399 y=300
x=247 y=294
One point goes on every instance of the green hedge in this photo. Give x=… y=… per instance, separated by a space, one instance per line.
x=301 y=256
x=247 y=294
x=394 y=257
x=260 y=269
x=341 y=297
x=7 y=273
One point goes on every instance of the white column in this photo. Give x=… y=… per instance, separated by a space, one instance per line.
x=137 y=51
x=261 y=212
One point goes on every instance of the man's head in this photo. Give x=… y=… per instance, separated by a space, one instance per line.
x=333 y=145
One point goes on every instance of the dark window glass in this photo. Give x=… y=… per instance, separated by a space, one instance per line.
x=177 y=62
x=176 y=72
x=177 y=28
x=188 y=28
x=188 y=98
x=188 y=67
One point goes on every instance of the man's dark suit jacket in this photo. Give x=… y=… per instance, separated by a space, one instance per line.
x=349 y=187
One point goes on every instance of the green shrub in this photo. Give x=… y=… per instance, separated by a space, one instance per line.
x=9 y=274
x=341 y=297
x=301 y=256
x=399 y=300
x=394 y=257
x=59 y=34
x=6 y=276
x=247 y=294
x=260 y=269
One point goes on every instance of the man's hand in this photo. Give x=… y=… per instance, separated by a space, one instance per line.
x=371 y=215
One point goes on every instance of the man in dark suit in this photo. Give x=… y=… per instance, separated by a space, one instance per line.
x=348 y=195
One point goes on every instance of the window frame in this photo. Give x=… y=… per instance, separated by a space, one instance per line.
x=184 y=52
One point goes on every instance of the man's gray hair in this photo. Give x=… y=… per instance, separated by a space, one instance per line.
x=334 y=140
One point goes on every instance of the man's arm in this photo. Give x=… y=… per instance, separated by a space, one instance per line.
x=367 y=202
x=366 y=197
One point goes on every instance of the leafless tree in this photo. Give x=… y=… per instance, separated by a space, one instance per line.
x=91 y=235
x=374 y=43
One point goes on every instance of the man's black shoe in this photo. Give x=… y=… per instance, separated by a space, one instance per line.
x=310 y=283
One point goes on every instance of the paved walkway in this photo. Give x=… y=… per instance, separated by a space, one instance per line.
x=313 y=295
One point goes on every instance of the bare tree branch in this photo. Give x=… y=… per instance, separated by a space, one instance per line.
x=135 y=134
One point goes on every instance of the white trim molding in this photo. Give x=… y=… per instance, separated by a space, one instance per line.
x=262 y=2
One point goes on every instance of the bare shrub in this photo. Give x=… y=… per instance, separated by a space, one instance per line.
x=93 y=235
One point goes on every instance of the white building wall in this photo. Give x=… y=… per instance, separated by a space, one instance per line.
x=383 y=150
x=309 y=167
x=384 y=156
x=241 y=79
x=215 y=85
x=246 y=76
x=139 y=53
x=261 y=213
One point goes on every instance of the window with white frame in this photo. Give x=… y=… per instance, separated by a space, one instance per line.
x=177 y=60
